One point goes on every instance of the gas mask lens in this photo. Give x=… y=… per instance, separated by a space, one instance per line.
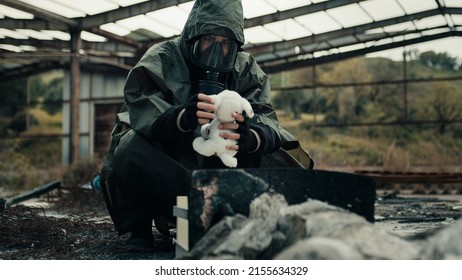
x=216 y=53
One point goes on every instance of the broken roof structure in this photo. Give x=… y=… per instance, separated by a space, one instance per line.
x=39 y=35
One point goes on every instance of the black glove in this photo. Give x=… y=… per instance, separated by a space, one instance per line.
x=189 y=119
x=248 y=141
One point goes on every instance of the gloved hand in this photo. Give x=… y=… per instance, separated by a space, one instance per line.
x=189 y=120
x=199 y=110
x=248 y=140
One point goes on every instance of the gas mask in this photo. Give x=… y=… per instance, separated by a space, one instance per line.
x=215 y=54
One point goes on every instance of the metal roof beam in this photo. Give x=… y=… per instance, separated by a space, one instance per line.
x=50 y=21
x=129 y=11
x=453 y=11
x=347 y=41
x=54 y=44
x=28 y=70
x=279 y=67
x=300 y=11
x=145 y=7
x=116 y=38
x=58 y=45
x=43 y=14
x=295 y=12
x=39 y=24
x=351 y=31
x=34 y=24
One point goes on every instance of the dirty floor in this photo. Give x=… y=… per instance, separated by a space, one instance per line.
x=74 y=225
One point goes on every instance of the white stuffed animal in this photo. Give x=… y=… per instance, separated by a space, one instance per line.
x=211 y=143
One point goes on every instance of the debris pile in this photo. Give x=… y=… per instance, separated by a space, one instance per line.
x=316 y=230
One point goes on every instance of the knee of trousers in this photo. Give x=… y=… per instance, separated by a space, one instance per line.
x=135 y=157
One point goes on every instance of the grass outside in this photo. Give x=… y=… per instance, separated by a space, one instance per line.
x=28 y=163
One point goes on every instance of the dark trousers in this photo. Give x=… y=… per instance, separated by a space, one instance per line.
x=143 y=183
x=140 y=181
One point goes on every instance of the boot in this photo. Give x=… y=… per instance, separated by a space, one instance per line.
x=162 y=225
x=141 y=238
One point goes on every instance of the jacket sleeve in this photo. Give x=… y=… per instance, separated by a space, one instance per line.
x=150 y=105
x=269 y=140
x=253 y=84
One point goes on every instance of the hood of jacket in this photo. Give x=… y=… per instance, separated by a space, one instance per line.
x=218 y=17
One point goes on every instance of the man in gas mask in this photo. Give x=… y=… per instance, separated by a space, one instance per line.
x=151 y=154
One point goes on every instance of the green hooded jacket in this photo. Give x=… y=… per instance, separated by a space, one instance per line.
x=161 y=81
x=158 y=88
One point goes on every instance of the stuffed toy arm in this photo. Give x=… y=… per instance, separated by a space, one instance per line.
x=205 y=131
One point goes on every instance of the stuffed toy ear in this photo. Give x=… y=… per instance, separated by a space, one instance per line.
x=247 y=108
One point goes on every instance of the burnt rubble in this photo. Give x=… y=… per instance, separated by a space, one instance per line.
x=318 y=231
x=76 y=226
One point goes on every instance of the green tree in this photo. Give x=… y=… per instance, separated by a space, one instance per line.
x=386 y=98
x=346 y=104
x=19 y=123
x=12 y=97
x=36 y=88
x=12 y=106
x=446 y=105
x=53 y=96
x=292 y=100
x=441 y=61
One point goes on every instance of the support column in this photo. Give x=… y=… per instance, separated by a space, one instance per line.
x=405 y=55
x=314 y=95
x=74 y=108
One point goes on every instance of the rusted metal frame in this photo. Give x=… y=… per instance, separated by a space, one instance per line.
x=91 y=58
x=41 y=13
x=41 y=136
x=44 y=24
x=443 y=13
x=271 y=47
x=28 y=70
x=48 y=65
x=63 y=22
x=370 y=83
x=57 y=45
x=396 y=123
x=315 y=83
x=416 y=179
x=44 y=189
x=74 y=108
x=129 y=11
x=113 y=37
x=355 y=31
x=309 y=45
x=343 y=32
x=92 y=22
x=299 y=11
x=283 y=15
x=34 y=24
x=50 y=49
x=405 y=82
x=336 y=57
